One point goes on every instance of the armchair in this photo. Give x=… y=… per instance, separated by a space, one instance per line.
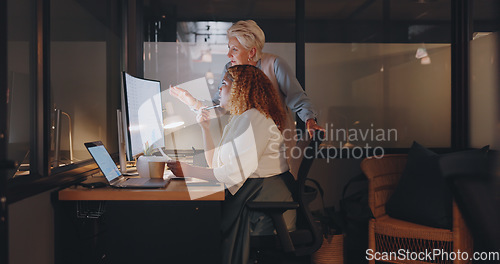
x=387 y=234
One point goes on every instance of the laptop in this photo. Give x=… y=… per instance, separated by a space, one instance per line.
x=112 y=173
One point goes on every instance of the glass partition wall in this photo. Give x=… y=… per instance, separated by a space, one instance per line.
x=84 y=63
x=484 y=74
x=380 y=72
x=20 y=81
x=186 y=45
x=85 y=70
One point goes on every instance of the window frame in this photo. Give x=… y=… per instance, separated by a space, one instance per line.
x=3 y=142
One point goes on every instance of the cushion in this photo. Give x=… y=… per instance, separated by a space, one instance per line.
x=422 y=196
x=472 y=163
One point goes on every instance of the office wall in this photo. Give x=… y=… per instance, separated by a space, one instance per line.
x=484 y=87
x=78 y=83
x=78 y=87
x=31 y=230
x=18 y=101
x=357 y=85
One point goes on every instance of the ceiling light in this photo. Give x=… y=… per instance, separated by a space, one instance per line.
x=421 y=52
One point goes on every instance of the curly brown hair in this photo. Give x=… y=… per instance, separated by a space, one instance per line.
x=251 y=88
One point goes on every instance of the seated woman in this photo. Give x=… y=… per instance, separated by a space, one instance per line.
x=249 y=159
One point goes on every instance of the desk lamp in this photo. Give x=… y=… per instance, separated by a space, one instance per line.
x=57 y=129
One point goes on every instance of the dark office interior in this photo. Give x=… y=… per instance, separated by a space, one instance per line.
x=425 y=70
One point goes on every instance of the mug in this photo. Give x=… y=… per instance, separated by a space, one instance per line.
x=151 y=166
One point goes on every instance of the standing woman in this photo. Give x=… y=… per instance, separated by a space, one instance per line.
x=249 y=159
x=245 y=42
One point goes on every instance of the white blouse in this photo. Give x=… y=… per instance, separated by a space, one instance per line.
x=251 y=147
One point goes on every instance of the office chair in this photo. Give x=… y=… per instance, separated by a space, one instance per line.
x=307 y=238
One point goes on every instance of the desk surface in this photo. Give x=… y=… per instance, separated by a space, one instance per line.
x=175 y=191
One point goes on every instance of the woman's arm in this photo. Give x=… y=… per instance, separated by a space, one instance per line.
x=295 y=97
x=185 y=97
x=181 y=169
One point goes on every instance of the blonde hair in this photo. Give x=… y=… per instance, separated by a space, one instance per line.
x=251 y=88
x=250 y=35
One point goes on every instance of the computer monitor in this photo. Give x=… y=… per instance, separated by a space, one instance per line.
x=142 y=111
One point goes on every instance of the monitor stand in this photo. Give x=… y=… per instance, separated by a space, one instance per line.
x=125 y=168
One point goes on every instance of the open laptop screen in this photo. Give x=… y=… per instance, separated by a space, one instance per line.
x=104 y=161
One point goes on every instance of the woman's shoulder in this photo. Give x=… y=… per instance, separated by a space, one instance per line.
x=255 y=119
x=278 y=63
x=269 y=57
x=254 y=116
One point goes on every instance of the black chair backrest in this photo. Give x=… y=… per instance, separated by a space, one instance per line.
x=304 y=217
x=309 y=154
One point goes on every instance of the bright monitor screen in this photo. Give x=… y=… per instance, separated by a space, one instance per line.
x=143 y=115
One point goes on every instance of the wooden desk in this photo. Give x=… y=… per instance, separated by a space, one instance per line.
x=176 y=190
x=178 y=224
